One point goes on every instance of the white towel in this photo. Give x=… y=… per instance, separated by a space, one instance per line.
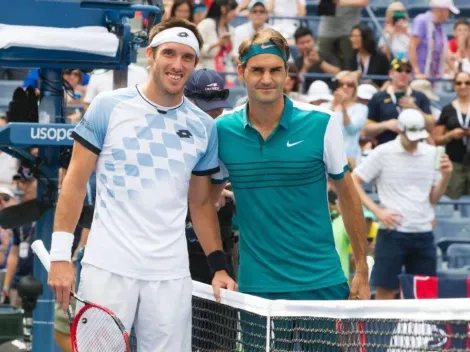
x=93 y=39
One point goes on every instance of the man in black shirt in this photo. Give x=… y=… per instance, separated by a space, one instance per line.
x=311 y=60
x=385 y=106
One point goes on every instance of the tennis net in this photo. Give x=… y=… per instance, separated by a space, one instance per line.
x=244 y=323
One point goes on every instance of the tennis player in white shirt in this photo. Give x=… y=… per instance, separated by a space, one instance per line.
x=152 y=149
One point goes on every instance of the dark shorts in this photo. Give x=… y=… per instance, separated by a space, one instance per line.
x=394 y=249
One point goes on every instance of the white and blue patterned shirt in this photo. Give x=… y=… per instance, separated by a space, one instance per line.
x=145 y=160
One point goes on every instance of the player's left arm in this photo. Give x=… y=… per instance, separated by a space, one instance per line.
x=350 y=204
x=204 y=213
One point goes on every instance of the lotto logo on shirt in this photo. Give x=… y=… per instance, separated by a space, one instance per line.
x=51 y=133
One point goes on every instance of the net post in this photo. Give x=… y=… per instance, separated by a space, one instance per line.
x=268 y=328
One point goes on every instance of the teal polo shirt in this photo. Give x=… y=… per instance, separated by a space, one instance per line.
x=280 y=185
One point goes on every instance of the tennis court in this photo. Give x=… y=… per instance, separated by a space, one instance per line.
x=244 y=323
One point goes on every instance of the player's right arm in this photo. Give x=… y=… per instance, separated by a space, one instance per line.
x=89 y=138
x=69 y=207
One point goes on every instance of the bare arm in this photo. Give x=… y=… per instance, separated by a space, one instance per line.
x=351 y=211
x=301 y=10
x=329 y=68
x=204 y=213
x=270 y=5
x=74 y=189
x=353 y=3
x=438 y=190
x=373 y=129
x=12 y=264
x=412 y=54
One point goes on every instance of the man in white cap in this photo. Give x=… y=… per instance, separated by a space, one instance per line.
x=318 y=93
x=411 y=177
x=428 y=46
x=152 y=149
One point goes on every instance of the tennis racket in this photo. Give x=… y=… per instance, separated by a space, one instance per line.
x=94 y=328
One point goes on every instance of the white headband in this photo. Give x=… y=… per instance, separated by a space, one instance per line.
x=176 y=35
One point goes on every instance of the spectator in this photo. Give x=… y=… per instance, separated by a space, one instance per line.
x=7 y=199
x=425 y=87
x=397 y=35
x=206 y=90
x=408 y=187
x=8 y=164
x=457 y=44
x=311 y=60
x=366 y=58
x=453 y=132
x=318 y=94
x=33 y=79
x=385 y=106
x=217 y=34
x=20 y=258
x=428 y=46
x=182 y=9
x=334 y=31
x=351 y=115
x=257 y=17
x=199 y=12
x=365 y=92
x=463 y=63
x=103 y=81
x=292 y=85
x=286 y=8
x=391 y=9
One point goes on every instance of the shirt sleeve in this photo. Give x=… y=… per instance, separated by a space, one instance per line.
x=334 y=154
x=208 y=164
x=425 y=104
x=91 y=130
x=417 y=28
x=371 y=166
x=373 y=114
x=443 y=118
x=358 y=118
x=222 y=175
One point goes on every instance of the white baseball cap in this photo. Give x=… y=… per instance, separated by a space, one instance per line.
x=7 y=191
x=411 y=122
x=444 y=4
x=318 y=90
x=253 y=3
x=366 y=91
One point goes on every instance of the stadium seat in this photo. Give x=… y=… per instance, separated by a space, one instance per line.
x=458 y=255
x=445 y=211
x=452 y=228
x=6 y=93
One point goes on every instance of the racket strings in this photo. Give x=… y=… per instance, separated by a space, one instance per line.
x=97 y=331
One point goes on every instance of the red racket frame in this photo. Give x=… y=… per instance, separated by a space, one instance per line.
x=76 y=320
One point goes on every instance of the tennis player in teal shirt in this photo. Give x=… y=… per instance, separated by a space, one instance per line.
x=278 y=154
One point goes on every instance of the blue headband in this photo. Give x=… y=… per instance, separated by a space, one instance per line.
x=265 y=48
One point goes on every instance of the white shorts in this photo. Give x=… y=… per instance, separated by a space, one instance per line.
x=160 y=311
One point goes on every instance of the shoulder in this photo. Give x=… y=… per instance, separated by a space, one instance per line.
x=230 y=119
x=385 y=148
x=310 y=110
x=418 y=95
x=427 y=148
x=196 y=114
x=448 y=109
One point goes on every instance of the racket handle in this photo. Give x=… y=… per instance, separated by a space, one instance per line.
x=42 y=253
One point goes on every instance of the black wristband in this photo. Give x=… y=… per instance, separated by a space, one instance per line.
x=217 y=261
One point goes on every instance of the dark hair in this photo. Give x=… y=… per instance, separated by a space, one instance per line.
x=175 y=22
x=460 y=21
x=368 y=40
x=302 y=32
x=179 y=3
x=215 y=11
x=458 y=73
x=293 y=73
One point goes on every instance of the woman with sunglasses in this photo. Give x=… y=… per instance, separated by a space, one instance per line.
x=350 y=114
x=453 y=131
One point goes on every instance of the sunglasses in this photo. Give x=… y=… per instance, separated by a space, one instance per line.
x=5 y=198
x=461 y=83
x=211 y=94
x=258 y=12
x=348 y=84
x=405 y=70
